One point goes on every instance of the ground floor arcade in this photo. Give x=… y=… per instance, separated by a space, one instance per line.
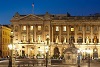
x=39 y=50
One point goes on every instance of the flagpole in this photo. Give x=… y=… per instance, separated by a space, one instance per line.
x=32 y=8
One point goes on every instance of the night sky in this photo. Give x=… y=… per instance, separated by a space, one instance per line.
x=75 y=7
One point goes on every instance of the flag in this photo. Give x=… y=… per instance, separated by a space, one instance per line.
x=32 y=4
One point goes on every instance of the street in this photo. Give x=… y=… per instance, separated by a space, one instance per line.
x=4 y=63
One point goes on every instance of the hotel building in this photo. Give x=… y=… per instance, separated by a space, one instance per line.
x=30 y=34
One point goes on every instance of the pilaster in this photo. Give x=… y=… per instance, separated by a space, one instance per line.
x=91 y=34
x=68 y=33
x=83 y=34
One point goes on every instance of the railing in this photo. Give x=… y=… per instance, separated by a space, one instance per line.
x=56 y=61
x=30 y=62
x=37 y=62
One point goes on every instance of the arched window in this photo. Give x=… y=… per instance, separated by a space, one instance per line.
x=16 y=28
x=79 y=40
x=56 y=52
x=46 y=28
x=95 y=53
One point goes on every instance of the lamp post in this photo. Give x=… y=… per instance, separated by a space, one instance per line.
x=88 y=52
x=11 y=57
x=47 y=49
x=79 y=58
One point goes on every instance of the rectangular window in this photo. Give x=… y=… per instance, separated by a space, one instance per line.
x=24 y=38
x=3 y=32
x=64 y=28
x=3 y=41
x=39 y=27
x=80 y=28
x=57 y=28
x=72 y=29
x=87 y=28
x=95 y=28
x=24 y=27
x=31 y=27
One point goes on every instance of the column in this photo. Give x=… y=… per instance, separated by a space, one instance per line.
x=99 y=33
x=52 y=34
x=60 y=34
x=76 y=34
x=35 y=33
x=68 y=33
x=83 y=34
x=91 y=34
x=27 y=35
x=19 y=33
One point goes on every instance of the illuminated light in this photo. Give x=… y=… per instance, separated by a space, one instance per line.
x=12 y=32
x=88 y=51
x=46 y=48
x=39 y=27
x=11 y=46
x=31 y=49
x=78 y=51
x=72 y=29
x=47 y=36
x=95 y=50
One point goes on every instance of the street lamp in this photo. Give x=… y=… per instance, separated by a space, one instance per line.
x=79 y=57
x=88 y=52
x=46 y=49
x=11 y=57
x=47 y=39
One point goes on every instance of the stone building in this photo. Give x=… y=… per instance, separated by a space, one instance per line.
x=30 y=33
x=4 y=40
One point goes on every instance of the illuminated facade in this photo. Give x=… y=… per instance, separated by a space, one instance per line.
x=4 y=40
x=30 y=33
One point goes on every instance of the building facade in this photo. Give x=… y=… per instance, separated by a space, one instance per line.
x=30 y=34
x=4 y=40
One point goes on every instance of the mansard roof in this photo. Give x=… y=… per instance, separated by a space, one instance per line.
x=47 y=16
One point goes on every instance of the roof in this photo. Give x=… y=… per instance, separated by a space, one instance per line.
x=71 y=49
x=67 y=16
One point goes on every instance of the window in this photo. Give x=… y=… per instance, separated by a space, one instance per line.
x=24 y=37
x=64 y=28
x=80 y=28
x=31 y=27
x=95 y=28
x=16 y=28
x=87 y=28
x=3 y=32
x=80 y=40
x=31 y=38
x=39 y=27
x=24 y=27
x=57 y=28
x=3 y=41
x=72 y=29
x=46 y=28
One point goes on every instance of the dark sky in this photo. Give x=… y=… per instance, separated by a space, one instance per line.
x=75 y=7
